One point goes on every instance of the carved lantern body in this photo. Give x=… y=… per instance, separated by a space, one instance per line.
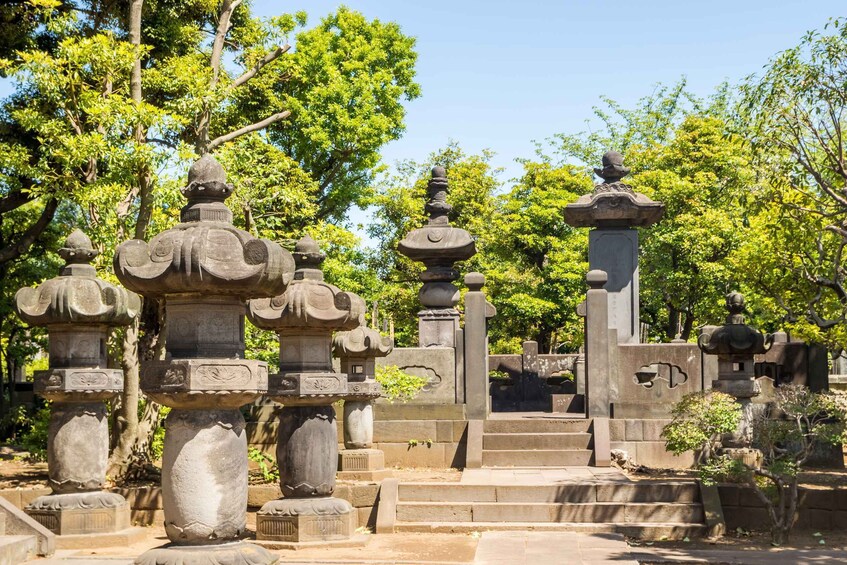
x=78 y=309
x=304 y=317
x=735 y=344
x=205 y=269
x=438 y=245
x=614 y=209
x=357 y=351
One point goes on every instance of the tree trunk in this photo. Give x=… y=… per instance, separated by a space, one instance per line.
x=127 y=420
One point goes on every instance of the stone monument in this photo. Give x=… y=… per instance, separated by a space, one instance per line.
x=614 y=209
x=205 y=269
x=438 y=245
x=78 y=309
x=735 y=343
x=357 y=351
x=304 y=317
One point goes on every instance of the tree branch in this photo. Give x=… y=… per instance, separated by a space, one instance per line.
x=227 y=10
x=248 y=129
x=266 y=60
x=16 y=249
x=13 y=200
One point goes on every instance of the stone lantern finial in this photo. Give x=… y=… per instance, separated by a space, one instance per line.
x=613 y=169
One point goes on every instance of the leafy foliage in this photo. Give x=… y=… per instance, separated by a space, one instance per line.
x=397 y=384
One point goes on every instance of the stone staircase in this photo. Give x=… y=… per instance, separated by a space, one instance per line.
x=646 y=510
x=543 y=442
x=15 y=549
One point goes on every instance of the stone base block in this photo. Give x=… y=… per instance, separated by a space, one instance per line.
x=358 y=540
x=306 y=520
x=235 y=553
x=122 y=538
x=358 y=460
x=84 y=513
x=369 y=476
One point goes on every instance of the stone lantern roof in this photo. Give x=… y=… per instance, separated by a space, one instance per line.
x=308 y=302
x=735 y=337
x=613 y=203
x=205 y=253
x=361 y=342
x=77 y=296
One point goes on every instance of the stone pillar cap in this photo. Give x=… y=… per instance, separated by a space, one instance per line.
x=475 y=281
x=596 y=278
x=361 y=342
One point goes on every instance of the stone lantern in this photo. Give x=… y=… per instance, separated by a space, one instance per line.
x=438 y=245
x=78 y=309
x=304 y=317
x=614 y=209
x=735 y=343
x=205 y=269
x=357 y=351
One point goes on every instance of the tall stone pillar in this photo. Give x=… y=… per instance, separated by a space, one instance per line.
x=597 y=363
x=205 y=269
x=614 y=209
x=438 y=245
x=735 y=343
x=477 y=313
x=78 y=310
x=357 y=351
x=304 y=317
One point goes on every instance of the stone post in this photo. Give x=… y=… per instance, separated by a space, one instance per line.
x=477 y=313
x=615 y=209
x=304 y=317
x=597 y=364
x=438 y=245
x=357 y=351
x=78 y=309
x=735 y=344
x=205 y=269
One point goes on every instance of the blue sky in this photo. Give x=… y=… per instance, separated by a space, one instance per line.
x=499 y=75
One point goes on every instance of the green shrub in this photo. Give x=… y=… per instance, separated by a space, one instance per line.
x=157 y=444
x=267 y=464
x=34 y=438
x=398 y=385
x=699 y=419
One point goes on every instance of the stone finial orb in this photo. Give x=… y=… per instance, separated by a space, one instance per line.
x=613 y=168
x=207 y=180
x=596 y=279
x=735 y=305
x=78 y=249
x=307 y=253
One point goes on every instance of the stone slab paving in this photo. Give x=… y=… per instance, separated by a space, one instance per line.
x=741 y=557
x=543 y=476
x=552 y=548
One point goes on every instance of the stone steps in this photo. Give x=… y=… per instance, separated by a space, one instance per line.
x=653 y=492
x=591 y=512
x=17 y=549
x=647 y=510
x=653 y=531
x=537 y=458
x=549 y=440
x=537 y=426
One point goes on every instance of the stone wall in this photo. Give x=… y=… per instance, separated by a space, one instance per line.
x=394 y=426
x=641 y=439
x=437 y=365
x=823 y=509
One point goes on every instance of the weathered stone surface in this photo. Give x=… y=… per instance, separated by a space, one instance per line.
x=239 y=553
x=597 y=363
x=83 y=513
x=307 y=451
x=189 y=383
x=358 y=460
x=477 y=313
x=78 y=447
x=304 y=520
x=201 y=464
x=358 y=425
